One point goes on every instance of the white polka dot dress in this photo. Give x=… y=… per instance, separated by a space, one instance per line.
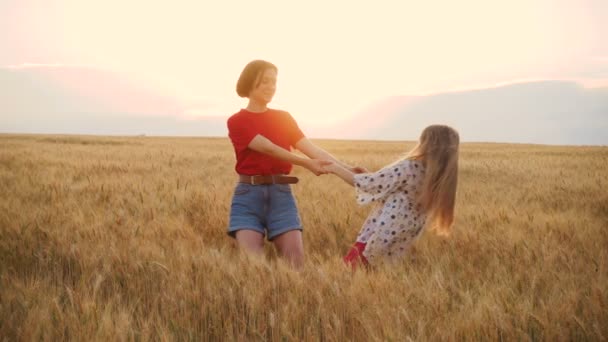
x=395 y=221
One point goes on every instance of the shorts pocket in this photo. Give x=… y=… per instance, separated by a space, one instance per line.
x=241 y=189
x=284 y=188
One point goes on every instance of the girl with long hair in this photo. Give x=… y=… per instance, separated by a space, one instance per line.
x=414 y=192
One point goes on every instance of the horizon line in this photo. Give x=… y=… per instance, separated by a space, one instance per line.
x=143 y=135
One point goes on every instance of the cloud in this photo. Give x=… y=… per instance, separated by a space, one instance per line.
x=600 y=59
x=588 y=71
x=58 y=88
x=218 y=109
x=46 y=66
x=596 y=68
x=59 y=98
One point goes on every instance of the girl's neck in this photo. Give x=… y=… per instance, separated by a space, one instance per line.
x=256 y=107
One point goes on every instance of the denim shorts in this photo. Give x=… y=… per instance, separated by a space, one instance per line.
x=268 y=209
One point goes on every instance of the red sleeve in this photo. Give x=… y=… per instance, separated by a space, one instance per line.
x=294 y=131
x=240 y=133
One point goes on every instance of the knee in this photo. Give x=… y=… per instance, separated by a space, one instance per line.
x=293 y=254
x=295 y=258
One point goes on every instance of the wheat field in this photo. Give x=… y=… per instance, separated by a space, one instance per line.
x=124 y=239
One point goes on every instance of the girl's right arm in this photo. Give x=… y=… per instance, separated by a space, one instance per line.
x=261 y=144
x=377 y=185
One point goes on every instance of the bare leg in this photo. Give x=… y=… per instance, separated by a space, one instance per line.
x=291 y=247
x=250 y=241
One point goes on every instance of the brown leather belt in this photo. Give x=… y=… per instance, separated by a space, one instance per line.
x=270 y=179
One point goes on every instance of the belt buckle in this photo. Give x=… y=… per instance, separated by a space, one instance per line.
x=253 y=180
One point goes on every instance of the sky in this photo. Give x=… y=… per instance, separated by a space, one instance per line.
x=334 y=57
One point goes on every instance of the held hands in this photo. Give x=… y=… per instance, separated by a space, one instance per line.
x=331 y=168
x=321 y=167
x=318 y=166
x=347 y=174
x=335 y=168
x=358 y=169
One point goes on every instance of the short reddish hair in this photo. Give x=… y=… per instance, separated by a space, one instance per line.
x=250 y=74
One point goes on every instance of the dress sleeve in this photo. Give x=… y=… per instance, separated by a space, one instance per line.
x=371 y=187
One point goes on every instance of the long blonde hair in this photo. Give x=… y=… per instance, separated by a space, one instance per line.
x=437 y=149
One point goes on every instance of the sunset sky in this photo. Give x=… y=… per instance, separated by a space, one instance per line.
x=334 y=57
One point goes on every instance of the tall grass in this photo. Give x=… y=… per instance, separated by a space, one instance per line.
x=111 y=238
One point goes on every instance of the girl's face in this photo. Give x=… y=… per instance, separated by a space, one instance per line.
x=266 y=87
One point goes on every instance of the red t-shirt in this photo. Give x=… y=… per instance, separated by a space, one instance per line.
x=275 y=125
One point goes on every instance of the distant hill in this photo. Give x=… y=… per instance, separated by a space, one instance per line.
x=90 y=101
x=550 y=112
x=78 y=100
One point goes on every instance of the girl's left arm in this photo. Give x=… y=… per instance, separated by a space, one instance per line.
x=315 y=152
x=347 y=175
